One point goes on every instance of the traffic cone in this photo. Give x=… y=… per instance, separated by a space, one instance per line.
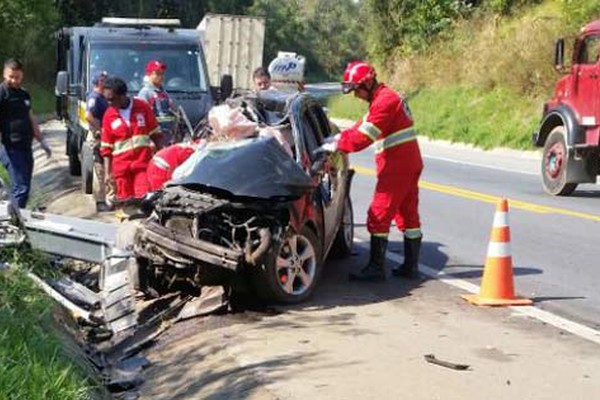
x=497 y=287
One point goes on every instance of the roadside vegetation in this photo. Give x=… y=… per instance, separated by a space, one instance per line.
x=33 y=363
x=474 y=72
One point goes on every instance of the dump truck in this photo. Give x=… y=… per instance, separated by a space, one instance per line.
x=233 y=45
x=569 y=131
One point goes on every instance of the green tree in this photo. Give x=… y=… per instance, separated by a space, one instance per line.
x=335 y=34
x=407 y=25
x=27 y=27
x=327 y=32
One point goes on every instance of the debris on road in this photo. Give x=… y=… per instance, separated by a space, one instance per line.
x=430 y=358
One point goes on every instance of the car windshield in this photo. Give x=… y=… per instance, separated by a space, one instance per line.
x=128 y=61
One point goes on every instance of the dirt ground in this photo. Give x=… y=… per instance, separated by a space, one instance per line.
x=54 y=188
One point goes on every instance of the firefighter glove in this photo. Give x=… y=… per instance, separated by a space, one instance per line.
x=331 y=144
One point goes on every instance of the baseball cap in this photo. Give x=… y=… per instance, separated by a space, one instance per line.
x=155 y=65
x=99 y=77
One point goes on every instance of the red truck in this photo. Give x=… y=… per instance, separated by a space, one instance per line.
x=570 y=128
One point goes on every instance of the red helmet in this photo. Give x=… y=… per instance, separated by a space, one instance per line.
x=357 y=73
x=155 y=65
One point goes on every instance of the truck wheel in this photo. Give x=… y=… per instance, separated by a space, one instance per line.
x=73 y=152
x=87 y=169
x=291 y=269
x=554 y=164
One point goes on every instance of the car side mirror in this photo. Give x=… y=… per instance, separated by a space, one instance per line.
x=559 y=55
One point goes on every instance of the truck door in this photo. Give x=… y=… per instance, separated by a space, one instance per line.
x=587 y=80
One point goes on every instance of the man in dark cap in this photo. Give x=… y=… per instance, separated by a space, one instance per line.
x=95 y=108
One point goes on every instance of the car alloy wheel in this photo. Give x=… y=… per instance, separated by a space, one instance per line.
x=296 y=265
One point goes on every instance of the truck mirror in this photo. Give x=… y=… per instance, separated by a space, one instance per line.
x=559 y=54
x=226 y=88
x=62 y=83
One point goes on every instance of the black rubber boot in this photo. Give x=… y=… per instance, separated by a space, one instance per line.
x=375 y=269
x=410 y=268
x=101 y=206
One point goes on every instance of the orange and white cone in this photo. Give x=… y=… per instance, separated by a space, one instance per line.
x=497 y=288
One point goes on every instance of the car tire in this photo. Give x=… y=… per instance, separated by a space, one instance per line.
x=344 y=238
x=554 y=164
x=291 y=269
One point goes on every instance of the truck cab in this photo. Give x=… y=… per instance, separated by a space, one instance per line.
x=570 y=128
x=123 y=47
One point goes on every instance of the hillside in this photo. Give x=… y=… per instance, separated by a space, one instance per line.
x=483 y=79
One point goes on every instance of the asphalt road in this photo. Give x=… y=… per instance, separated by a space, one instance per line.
x=553 y=242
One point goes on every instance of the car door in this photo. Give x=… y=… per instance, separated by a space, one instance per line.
x=331 y=187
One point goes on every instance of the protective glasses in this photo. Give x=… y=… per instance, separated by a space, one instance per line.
x=348 y=87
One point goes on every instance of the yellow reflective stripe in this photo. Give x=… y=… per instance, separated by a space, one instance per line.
x=81 y=114
x=154 y=131
x=106 y=145
x=381 y=235
x=165 y=119
x=413 y=233
x=161 y=163
x=395 y=139
x=368 y=129
x=131 y=143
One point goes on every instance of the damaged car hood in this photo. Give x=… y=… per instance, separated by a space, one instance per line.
x=257 y=168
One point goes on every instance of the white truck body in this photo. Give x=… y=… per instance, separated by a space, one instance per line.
x=233 y=44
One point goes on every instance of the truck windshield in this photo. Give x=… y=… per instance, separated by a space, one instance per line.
x=128 y=61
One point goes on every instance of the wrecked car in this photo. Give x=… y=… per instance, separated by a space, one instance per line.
x=251 y=211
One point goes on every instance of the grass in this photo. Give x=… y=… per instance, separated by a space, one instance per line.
x=42 y=98
x=33 y=364
x=346 y=106
x=484 y=118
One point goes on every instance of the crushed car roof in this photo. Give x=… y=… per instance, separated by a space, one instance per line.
x=252 y=168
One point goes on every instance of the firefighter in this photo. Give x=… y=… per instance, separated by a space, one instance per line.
x=128 y=130
x=95 y=108
x=164 y=162
x=389 y=125
x=160 y=102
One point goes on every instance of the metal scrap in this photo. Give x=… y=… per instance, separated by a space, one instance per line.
x=430 y=358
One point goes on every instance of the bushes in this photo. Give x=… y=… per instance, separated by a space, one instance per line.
x=405 y=27
x=579 y=12
x=27 y=27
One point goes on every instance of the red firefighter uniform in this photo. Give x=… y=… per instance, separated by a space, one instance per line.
x=389 y=124
x=129 y=145
x=164 y=162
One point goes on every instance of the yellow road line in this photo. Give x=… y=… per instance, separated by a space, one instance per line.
x=472 y=195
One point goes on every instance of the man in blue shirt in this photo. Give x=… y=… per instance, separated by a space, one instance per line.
x=95 y=108
x=18 y=128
